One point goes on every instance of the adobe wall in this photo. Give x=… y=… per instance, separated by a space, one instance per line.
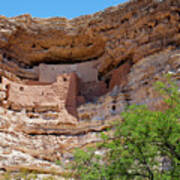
x=119 y=75
x=91 y=90
x=59 y=96
x=86 y=71
x=71 y=100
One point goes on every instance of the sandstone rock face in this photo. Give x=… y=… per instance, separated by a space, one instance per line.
x=65 y=81
x=126 y=32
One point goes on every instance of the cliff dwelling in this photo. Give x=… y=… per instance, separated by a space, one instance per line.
x=86 y=71
x=60 y=88
x=64 y=82
x=59 y=96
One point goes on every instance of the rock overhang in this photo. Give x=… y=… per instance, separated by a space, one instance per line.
x=117 y=34
x=119 y=38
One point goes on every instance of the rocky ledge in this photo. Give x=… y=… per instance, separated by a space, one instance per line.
x=63 y=82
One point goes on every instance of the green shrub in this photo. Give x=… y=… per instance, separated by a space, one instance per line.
x=146 y=145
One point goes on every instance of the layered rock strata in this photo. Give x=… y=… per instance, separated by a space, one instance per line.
x=65 y=81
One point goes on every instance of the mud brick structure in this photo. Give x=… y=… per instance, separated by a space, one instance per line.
x=59 y=96
x=86 y=71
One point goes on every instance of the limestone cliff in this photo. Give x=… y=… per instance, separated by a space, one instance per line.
x=64 y=81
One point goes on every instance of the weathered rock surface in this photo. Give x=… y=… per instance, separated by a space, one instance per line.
x=111 y=58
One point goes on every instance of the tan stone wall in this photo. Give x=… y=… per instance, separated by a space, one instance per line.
x=86 y=71
x=59 y=96
x=90 y=90
x=71 y=100
x=119 y=75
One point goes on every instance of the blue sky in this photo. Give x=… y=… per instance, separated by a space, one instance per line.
x=49 y=8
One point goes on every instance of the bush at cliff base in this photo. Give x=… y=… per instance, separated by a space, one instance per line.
x=146 y=145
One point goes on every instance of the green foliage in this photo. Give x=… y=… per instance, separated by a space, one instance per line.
x=58 y=162
x=146 y=145
x=88 y=165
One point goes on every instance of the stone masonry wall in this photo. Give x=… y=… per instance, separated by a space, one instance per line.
x=42 y=98
x=119 y=75
x=71 y=100
x=91 y=90
x=86 y=71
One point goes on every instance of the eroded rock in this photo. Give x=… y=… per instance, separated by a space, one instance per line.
x=110 y=59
